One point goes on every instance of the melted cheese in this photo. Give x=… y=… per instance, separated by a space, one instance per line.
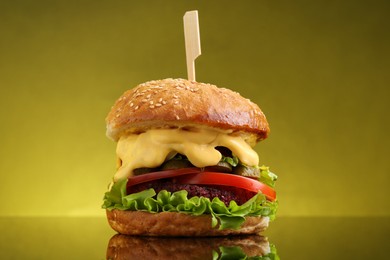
x=151 y=148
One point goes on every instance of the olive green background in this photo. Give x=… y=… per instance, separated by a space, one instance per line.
x=318 y=69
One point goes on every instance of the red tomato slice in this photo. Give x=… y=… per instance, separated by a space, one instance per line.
x=216 y=178
x=160 y=175
x=196 y=176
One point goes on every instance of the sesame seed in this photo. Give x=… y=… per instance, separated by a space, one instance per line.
x=131 y=104
x=148 y=96
x=136 y=107
x=158 y=105
x=160 y=100
x=151 y=106
x=176 y=102
x=177 y=117
x=117 y=115
x=164 y=102
x=151 y=102
x=175 y=96
x=144 y=100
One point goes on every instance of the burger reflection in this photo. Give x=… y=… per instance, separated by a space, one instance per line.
x=236 y=247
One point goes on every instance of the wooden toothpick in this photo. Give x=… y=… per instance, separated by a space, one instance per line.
x=192 y=41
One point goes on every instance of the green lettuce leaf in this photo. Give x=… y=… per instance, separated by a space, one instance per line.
x=223 y=216
x=267 y=177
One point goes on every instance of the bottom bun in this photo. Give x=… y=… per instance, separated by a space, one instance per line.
x=163 y=248
x=176 y=224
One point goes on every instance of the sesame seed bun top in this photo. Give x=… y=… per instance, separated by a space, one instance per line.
x=173 y=103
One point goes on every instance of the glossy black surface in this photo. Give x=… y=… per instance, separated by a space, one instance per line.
x=294 y=238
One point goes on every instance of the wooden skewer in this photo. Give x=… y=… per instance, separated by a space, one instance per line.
x=192 y=41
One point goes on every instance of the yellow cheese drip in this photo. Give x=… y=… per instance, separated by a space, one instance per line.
x=151 y=149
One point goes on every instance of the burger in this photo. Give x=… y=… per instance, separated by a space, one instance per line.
x=168 y=248
x=186 y=164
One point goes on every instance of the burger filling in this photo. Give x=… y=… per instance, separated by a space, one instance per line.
x=194 y=171
x=229 y=164
x=156 y=146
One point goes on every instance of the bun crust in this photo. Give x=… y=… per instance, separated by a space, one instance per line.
x=171 y=103
x=176 y=224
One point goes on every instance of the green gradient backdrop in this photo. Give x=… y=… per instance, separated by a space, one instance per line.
x=318 y=69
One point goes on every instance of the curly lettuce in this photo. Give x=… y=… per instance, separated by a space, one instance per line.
x=223 y=217
x=267 y=177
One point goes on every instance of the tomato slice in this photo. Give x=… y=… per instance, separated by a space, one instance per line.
x=161 y=175
x=197 y=176
x=216 y=178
